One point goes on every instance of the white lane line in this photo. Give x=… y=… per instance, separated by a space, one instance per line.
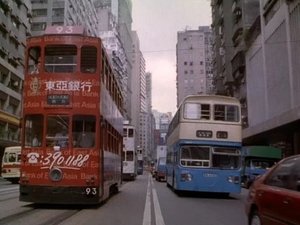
x=159 y=220
x=147 y=210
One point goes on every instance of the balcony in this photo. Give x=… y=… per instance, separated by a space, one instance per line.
x=237 y=36
x=238 y=64
x=228 y=81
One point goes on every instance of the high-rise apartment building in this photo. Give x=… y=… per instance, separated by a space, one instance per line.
x=230 y=22
x=194 y=71
x=110 y=36
x=63 y=12
x=115 y=19
x=14 y=27
x=139 y=97
x=256 y=60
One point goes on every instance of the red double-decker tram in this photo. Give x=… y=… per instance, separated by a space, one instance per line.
x=72 y=120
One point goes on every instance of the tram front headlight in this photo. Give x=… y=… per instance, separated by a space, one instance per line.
x=185 y=177
x=234 y=179
x=55 y=174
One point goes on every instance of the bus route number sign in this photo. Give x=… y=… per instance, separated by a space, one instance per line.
x=204 y=133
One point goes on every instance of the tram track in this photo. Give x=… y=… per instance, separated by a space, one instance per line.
x=7 y=194
x=38 y=216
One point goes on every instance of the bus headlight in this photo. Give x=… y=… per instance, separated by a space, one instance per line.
x=234 y=179
x=185 y=177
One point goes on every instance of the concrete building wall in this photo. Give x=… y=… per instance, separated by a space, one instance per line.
x=273 y=83
x=14 y=26
x=256 y=81
x=193 y=62
x=63 y=12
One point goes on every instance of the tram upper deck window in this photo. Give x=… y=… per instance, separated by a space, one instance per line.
x=33 y=64
x=60 y=58
x=196 y=111
x=88 y=59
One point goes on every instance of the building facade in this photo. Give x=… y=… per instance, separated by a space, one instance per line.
x=256 y=60
x=108 y=31
x=63 y=12
x=272 y=65
x=231 y=20
x=14 y=27
x=194 y=70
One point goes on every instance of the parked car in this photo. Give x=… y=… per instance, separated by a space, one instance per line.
x=274 y=198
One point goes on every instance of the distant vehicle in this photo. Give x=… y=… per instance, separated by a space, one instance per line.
x=140 y=162
x=152 y=168
x=274 y=198
x=129 y=171
x=160 y=171
x=204 y=145
x=256 y=160
x=72 y=120
x=11 y=164
x=161 y=151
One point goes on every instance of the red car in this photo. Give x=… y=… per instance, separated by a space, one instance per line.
x=274 y=198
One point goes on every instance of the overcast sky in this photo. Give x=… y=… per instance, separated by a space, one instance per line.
x=157 y=23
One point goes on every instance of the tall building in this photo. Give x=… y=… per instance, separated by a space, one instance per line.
x=14 y=26
x=194 y=71
x=115 y=20
x=150 y=126
x=259 y=65
x=162 y=121
x=115 y=29
x=272 y=74
x=63 y=12
x=140 y=104
x=231 y=20
x=110 y=36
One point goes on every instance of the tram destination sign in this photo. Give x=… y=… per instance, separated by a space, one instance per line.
x=58 y=99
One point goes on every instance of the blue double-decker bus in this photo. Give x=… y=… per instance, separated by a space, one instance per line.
x=204 y=145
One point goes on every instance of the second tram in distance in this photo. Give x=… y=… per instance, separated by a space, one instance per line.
x=129 y=171
x=204 y=145
x=72 y=120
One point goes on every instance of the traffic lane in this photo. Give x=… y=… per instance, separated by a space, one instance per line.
x=200 y=209
x=124 y=208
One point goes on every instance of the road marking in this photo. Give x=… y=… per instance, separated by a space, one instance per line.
x=147 y=211
x=159 y=220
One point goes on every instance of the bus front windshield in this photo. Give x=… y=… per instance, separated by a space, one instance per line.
x=226 y=158
x=210 y=157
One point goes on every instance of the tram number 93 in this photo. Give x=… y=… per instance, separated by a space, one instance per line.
x=91 y=191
